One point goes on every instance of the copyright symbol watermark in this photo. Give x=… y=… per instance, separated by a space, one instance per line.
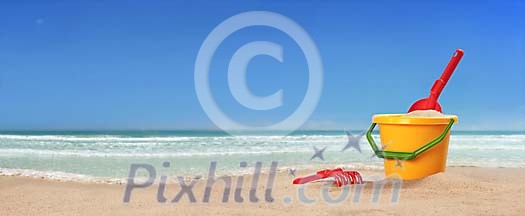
x=237 y=72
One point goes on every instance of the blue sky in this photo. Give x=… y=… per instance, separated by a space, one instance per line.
x=129 y=64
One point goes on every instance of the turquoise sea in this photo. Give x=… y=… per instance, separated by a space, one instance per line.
x=87 y=155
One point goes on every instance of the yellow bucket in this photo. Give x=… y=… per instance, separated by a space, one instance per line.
x=413 y=147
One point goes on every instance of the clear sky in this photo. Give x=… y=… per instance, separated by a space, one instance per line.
x=130 y=64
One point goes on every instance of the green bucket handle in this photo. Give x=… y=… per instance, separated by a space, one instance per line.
x=405 y=155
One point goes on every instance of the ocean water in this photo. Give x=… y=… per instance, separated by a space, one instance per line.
x=108 y=155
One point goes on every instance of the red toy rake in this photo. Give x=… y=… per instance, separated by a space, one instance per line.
x=339 y=176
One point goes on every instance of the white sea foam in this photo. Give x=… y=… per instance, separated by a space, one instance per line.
x=153 y=139
x=93 y=138
x=92 y=155
x=23 y=152
x=59 y=176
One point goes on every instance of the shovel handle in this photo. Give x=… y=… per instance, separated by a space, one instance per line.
x=438 y=86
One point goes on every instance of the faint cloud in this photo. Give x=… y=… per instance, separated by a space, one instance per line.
x=39 y=21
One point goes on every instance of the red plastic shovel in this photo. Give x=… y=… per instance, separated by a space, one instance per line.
x=431 y=103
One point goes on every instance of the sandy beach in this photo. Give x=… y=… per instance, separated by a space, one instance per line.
x=459 y=191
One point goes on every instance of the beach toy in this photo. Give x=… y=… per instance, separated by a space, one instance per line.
x=339 y=176
x=431 y=103
x=415 y=146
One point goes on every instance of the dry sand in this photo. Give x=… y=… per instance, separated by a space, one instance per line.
x=459 y=191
